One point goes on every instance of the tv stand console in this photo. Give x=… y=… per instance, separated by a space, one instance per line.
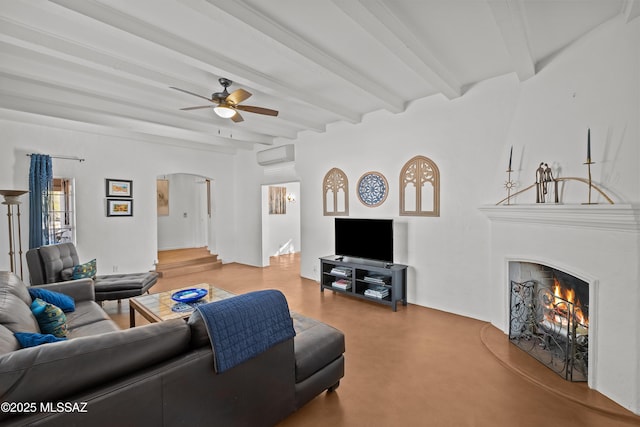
x=375 y=281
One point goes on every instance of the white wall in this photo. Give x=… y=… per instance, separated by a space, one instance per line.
x=128 y=242
x=592 y=84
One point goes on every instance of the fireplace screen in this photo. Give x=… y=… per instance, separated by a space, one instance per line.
x=549 y=321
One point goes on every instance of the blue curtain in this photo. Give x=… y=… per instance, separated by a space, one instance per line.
x=40 y=184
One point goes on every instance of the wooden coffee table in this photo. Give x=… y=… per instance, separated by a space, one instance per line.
x=160 y=307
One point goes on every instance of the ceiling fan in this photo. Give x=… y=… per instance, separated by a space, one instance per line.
x=226 y=105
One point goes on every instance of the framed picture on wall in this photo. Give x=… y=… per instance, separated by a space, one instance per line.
x=119 y=188
x=277 y=200
x=163 y=197
x=119 y=207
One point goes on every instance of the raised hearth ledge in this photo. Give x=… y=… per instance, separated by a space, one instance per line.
x=601 y=216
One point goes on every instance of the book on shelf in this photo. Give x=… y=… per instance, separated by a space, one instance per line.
x=342 y=284
x=377 y=292
x=377 y=278
x=374 y=294
x=341 y=271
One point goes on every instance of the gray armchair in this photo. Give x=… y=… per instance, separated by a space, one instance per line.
x=47 y=263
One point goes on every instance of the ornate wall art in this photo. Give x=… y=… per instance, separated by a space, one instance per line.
x=373 y=189
x=335 y=193
x=420 y=188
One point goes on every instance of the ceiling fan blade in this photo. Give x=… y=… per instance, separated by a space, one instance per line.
x=258 y=110
x=237 y=118
x=195 y=108
x=191 y=93
x=237 y=96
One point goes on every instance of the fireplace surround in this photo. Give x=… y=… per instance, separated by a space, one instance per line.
x=599 y=244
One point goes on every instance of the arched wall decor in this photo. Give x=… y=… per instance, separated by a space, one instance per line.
x=420 y=188
x=373 y=189
x=336 y=186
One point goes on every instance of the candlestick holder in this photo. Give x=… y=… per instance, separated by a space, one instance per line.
x=509 y=185
x=589 y=183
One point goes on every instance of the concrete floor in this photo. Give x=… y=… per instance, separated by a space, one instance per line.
x=414 y=367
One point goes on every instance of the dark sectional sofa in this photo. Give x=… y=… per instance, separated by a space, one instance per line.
x=159 y=374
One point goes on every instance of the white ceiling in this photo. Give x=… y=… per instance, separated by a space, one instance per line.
x=106 y=66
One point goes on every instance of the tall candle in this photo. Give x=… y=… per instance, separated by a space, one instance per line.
x=510 y=156
x=589 y=145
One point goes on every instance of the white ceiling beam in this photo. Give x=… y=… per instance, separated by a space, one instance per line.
x=631 y=9
x=381 y=23
x=512 y=22
x=128 y=77
x=64 y=111
x=212 y=61
x=81 y=100
x=19 y=116
x=276 y=31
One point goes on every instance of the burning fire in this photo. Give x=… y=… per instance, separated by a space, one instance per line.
x=562 y=295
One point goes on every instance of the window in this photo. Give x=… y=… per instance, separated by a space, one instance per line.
x=62 y=212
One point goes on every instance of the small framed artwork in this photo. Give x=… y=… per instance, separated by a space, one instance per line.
x=277 y=200
x=119 y=207
x=119 y=188
x=163 y=197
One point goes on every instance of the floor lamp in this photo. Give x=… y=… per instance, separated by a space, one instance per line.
x=11 y=200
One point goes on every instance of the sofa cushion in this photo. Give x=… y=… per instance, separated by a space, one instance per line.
x=8 y=341
x=86 y=313
x=29 y=339
x=86 y=270
x=15 y=314
x=65 y=302
x=315 y=347
x=55 y=258
x=95 y=328
x=67 y=273
x=40 y=374
x=12 y=283
x=51 y=319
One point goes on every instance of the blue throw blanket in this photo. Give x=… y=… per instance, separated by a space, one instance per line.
x=244 y=326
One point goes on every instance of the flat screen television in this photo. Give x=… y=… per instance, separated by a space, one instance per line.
x=364 y=238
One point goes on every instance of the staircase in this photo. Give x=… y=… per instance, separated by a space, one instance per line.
x=177 y=262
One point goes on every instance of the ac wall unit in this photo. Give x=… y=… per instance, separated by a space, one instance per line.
x=281 y=154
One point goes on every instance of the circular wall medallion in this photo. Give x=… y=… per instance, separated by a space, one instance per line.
x=372 y=189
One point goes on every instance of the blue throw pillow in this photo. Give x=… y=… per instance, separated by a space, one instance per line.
x=86 y=270
x=30 y=339
x=65 y=302
x=50 y=318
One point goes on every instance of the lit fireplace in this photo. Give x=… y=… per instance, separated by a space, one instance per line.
x=549 y=319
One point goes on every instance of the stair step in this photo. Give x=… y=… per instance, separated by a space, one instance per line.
x=195 y=268
x=176 y=262
x=200 y=260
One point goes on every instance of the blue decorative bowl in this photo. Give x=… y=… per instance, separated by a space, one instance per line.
x=189 y=295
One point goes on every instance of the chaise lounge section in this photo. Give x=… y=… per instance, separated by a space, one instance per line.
x=50 y=264
x=158 y=374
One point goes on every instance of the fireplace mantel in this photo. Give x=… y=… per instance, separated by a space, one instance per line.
x=601 y=217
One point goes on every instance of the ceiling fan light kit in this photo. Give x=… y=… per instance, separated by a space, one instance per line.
x=224 y=112
x=226 y=105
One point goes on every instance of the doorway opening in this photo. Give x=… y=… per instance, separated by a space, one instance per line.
x=280 y=220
